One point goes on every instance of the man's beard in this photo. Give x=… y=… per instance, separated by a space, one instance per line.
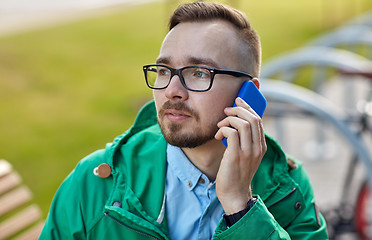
x=173 y=133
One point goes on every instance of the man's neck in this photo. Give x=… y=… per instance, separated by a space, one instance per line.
x=206 y=158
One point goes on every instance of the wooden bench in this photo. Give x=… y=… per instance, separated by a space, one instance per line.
x=19 y=219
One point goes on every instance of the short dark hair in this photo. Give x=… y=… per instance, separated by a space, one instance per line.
x=204 y=11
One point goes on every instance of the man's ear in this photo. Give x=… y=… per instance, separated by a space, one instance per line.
x=256 y=82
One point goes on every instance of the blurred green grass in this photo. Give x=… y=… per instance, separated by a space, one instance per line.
x=67 y=90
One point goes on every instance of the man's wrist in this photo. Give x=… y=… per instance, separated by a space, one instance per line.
x=235 y=217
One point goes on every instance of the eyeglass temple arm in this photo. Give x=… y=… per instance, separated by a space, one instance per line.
x=233 y=73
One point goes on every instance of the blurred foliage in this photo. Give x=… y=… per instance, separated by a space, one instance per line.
x=67 y=90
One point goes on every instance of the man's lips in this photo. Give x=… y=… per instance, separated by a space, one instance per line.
x=177 y=112
x=176 y=115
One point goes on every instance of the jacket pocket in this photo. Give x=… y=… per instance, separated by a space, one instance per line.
x=288 y=207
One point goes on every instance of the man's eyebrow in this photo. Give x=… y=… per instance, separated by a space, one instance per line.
x=162 y=60
x=203 y=61
x=191 y=61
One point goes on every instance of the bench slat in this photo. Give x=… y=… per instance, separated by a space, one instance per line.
x=9 y=181
x=5 y=168
x=19 y=221
x=14 y=199
x=31 y=234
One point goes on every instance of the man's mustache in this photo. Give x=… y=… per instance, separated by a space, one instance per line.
x=180 y=106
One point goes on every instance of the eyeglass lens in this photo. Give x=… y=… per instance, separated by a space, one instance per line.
x=195 y=78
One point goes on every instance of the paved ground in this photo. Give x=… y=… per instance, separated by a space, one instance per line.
x=25 y=15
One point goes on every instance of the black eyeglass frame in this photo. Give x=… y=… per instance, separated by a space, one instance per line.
x=178 y=72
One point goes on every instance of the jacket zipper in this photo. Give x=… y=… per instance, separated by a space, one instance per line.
x=129 y=227
x=294 y=189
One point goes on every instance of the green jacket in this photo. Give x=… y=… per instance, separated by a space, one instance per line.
x=129 y=203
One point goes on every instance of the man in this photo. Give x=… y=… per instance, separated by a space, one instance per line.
x=170 y=176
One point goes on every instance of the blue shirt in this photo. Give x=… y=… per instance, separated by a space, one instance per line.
x=192 y=207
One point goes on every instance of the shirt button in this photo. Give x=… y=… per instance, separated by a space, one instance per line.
x=201 y=180
x=189 y=184
x=102 y=171
x=117 y=204
x=298 y=205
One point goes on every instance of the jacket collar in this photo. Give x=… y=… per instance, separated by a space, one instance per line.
x=146 y=118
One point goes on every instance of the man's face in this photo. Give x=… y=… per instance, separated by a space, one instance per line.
x=187 y=118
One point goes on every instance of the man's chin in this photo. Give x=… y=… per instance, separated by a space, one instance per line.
x=186 y=140
x=186 y=143
x=184 y=135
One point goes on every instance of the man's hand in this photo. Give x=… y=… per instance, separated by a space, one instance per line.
x=246 y=146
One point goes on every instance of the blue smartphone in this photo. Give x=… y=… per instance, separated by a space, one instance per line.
x=251 y=95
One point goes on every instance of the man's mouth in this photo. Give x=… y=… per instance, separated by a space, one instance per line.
x=176 y=115
x=177 y=112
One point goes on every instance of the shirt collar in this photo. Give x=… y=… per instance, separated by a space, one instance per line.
x=188 y=174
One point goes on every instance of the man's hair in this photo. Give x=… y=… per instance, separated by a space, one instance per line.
x=204 y=11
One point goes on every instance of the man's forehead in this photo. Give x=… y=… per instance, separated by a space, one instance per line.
x=214 y=28
x=209 y=43
x=189 y=60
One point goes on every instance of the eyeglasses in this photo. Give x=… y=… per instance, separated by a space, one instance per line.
x=193 y=78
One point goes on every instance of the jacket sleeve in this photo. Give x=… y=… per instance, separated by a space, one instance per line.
x=259 y=223
x=67 y=218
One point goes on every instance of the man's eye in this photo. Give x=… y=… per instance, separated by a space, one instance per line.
x=201 y=73
x=163 y=72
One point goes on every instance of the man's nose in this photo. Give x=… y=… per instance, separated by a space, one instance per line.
x=175 y=89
